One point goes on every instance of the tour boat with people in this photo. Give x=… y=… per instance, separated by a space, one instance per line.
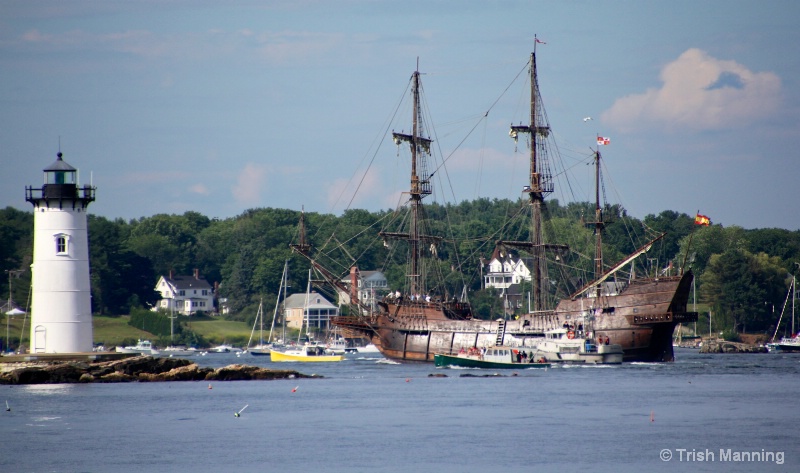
x=492 y=357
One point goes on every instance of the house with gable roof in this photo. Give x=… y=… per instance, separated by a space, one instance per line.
x=185 y=295
x=506 y=273
x=310 y=309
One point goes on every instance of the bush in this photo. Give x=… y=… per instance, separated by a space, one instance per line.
x=731 y=336
x=156 y=323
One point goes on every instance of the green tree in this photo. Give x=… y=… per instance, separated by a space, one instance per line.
x=120 y=278
x=743 y=288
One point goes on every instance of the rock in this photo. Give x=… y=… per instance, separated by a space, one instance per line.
x=245 y=372
x=140 y=368
x=722 y=346
x=182 y=373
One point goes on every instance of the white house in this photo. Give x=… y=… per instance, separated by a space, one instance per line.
x=504 y=271
x=185 y=295
x=309 y=309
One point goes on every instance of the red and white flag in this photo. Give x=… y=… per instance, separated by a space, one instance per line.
x=603 y=140
x=539 y=41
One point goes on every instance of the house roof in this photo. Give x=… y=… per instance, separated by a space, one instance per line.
x=298 y=301
x=367 y=275
x=187 y=282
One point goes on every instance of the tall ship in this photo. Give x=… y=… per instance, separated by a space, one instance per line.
x=428 y=317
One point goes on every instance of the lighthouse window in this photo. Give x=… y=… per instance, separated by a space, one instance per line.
x=62 y=245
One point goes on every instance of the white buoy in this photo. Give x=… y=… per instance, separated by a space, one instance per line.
x=61 y=309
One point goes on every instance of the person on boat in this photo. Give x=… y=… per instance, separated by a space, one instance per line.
x=607 y=340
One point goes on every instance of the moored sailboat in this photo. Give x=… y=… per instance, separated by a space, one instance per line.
x=786 y=344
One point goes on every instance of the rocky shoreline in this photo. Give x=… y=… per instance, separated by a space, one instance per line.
x=137 y=369
x=722 y=346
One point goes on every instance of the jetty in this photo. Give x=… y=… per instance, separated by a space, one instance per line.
x=131 y=369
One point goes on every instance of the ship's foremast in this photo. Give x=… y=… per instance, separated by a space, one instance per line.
x=541 y=185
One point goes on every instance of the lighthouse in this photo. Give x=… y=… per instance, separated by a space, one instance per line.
x=61 y=311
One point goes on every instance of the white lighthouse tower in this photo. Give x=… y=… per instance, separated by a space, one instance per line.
x=61 y=320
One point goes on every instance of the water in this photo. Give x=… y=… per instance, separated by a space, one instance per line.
x=368 y=415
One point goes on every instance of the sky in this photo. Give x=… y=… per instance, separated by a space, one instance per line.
x=220 y=107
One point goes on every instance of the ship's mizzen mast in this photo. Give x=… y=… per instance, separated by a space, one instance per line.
x=420 y=187
x=598 y=224
x=541 y=184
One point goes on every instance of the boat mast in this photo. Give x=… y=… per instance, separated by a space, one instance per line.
x=541 y=184
x=420 y=187
x=598 y=224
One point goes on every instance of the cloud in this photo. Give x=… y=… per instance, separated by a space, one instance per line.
x=291 y=46
x=249 y=184
x=702 y=93
x=199 y=189
x=341 y=193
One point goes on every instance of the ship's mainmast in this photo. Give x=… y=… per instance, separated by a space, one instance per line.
x=420 y=187
x=541 y=184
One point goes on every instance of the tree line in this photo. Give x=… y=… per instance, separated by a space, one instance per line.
x=742 y=276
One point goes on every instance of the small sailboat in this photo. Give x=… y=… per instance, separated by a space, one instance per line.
x=261 y=348
x=266 y=348
x=309 y=351
x=786 y=344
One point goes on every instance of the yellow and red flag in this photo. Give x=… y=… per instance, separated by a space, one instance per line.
x=702 y=220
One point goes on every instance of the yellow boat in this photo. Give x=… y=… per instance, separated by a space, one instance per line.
x=310 y=353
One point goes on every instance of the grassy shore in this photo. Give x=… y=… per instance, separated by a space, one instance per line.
x=114 y=331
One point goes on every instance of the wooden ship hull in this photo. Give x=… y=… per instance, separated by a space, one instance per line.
x=642 y=319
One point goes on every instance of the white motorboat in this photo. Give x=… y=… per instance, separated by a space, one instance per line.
x=174 y=350
x=570 y=346
x=143 y=347
x=224 y=348
x=789 y=344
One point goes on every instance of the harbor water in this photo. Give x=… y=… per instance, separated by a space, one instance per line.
x=721 y=412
